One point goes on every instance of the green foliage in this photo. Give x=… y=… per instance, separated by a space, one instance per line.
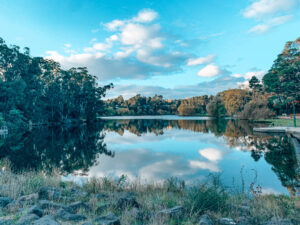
x=216 y=107
x=206 y=197
x=283 y=79
x=37 y=90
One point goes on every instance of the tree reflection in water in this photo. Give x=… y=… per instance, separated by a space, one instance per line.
x=77 y=148
x=55 y=149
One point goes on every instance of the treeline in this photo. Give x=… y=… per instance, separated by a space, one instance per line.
x=277 y=93
x=156 y=105
x=34 y=90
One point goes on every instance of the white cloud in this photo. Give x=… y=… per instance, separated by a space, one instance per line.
x=135 y=49
x=266 y=26
x=67 y=45
x=212 y=167
x=249 y=75
x=210 y=70
x=212 y=154
x=201 y=60
x=262 y=8
x=146 y=16
x=114 y=25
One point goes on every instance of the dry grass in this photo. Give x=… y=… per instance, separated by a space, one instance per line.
x=210 y=197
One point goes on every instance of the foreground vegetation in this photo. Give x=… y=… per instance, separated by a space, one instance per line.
x=33 y=195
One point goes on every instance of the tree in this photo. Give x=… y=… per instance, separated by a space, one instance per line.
x=255 y=84
x=234 y=100
x=216 y=107
x=283 y=79
x=42 y=93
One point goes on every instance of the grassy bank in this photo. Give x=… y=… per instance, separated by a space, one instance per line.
x=143 y=204
x=280 y=122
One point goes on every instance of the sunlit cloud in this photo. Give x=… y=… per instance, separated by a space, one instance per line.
x=210 y=70
x=212 y=154
x=200 y=60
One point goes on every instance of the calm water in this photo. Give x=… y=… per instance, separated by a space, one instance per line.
x=154 y=149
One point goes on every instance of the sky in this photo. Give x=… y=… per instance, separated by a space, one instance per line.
x=174 y=48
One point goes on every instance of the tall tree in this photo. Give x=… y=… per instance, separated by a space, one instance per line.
x=283 y=79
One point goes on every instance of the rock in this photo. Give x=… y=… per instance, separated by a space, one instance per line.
x=226 y=221
x=50 y=193
x=108 y=219
x=6 y=222
x=243 y=210
x=278 y=221
x=27 y=219
x=137 y=214
x=100 y=209
x=244 y=221
x=36 y=210
x=31 y=199
x=205 y=220
x=45 y=204
x=176 y=211
x=100 y=196
x=64 y=215
x=4 y=201
x=78 y=193
x=87 y=223
x=76 y=206
x=127 y=200
x=46 y=220
x=13 y=207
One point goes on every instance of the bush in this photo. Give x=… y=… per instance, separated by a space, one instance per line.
x=256 y=109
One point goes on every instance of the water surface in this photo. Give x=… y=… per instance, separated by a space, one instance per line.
x=154 y=149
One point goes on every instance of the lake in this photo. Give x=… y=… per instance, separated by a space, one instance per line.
x=153 y=149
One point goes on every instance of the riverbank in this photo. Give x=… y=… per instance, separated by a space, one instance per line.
x=33 y=198
x=280 y=122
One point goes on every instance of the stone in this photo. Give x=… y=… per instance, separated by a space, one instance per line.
x=137 y=214
x=64 y=215
x=78 y=193
x=278 y=221
x=101 y=208
x=13 y=207
x=4 y=201
x=205 y=220
x=76 y=206
x=6 y=222
x=244 y=221
x=27 y=219
x=108 y=219
x=45 y=204
x=31 y=199
x=50 y=193
x=243 y=210
x=176 y=211
x=87 y=223
x=36 y=210
x=46 y=220
x=100 y=196
x=226 y=221
x=127 y=200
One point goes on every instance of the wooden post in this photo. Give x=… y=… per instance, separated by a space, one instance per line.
x=294 y=112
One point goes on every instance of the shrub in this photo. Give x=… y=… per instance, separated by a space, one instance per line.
x=256 y=109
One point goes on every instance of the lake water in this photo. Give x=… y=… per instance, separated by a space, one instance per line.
x=152 y=149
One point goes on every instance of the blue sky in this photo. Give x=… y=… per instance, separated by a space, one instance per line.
x=174 y=48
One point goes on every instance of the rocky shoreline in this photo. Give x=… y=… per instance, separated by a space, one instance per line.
x=55 y=205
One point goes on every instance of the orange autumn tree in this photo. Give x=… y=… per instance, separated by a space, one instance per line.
x=234 y=100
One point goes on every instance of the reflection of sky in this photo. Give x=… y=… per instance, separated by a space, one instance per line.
x=181 y=153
